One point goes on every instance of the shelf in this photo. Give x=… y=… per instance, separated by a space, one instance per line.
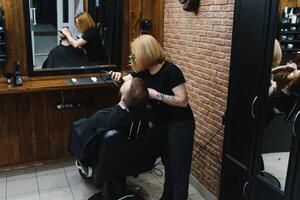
x=289 y=32
x=291 y=50
x=289 y=24
x=48 y=85
x=281 y=41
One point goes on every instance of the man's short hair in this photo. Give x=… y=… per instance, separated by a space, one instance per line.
x=138 y=95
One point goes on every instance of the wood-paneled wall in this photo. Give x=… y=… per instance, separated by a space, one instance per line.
x=289 y=3
x=31 y=128
x=133 y=12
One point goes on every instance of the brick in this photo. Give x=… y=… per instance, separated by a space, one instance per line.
x=201 y=45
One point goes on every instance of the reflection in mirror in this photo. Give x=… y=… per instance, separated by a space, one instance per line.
x=283 y=104
x=71 y=33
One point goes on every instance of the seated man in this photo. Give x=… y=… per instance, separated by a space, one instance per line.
x=287 y=95
x=85 y=139
x=65 y=55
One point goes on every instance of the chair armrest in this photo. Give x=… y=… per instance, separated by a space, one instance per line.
x=110 y=134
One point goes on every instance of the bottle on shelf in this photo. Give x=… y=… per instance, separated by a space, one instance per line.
x=286 y=16
x=17 y=78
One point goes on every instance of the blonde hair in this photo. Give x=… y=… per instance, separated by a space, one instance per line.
x=84 y=22
x=147 y=52
x=277 y=55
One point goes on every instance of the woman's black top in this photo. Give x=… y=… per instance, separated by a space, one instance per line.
x=94 y=48
x=167 y=78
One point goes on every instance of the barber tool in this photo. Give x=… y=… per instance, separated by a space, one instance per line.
x=94 y=79
x=17 y=79
x=74 y=81
x=109 y=77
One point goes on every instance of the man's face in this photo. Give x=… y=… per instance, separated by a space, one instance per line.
x=125 y=87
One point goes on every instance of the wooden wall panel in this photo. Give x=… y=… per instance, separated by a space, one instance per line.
x=135 y=16
x=9 y=133
x=41 y=129
x=289 y=3
x=26 y=132
x=33 y=130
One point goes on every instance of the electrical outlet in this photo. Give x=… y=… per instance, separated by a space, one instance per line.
x=66 y=105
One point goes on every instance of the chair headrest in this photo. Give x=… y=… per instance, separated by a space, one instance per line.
x=141 y=114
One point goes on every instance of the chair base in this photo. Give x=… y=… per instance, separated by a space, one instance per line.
x=117 y=190
x=100 y=196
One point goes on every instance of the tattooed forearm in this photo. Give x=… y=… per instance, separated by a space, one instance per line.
x=174 y=101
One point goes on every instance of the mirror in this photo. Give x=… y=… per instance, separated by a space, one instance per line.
x=67 y=36
x=283 y=113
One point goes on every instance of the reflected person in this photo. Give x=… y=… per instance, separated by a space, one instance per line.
x=90 y=41
x=65 y=55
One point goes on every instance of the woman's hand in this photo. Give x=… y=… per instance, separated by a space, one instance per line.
x=117 y=76
x=66 y=32
x=292 y=65
x=272 y=87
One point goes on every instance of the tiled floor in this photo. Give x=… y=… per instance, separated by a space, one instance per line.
x=63 y=182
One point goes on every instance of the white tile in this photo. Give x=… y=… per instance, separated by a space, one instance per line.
x=3 y=179
x=83 y=191
x=154 y=192
x=196 y=197
x=74 y=177
x=62 y=193
x=71 y=168
x=146 y=180
x=22 y=186
x=192 y=190
x=21 y=176
x=2 y=189
x=27 y=196
x=2 y=198
x=44 y=171
x=52 y=181
x=161 y=179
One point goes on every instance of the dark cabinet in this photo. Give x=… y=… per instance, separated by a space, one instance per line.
x=236 y=183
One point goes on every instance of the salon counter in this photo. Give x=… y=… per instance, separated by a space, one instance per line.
x=48 y=84
x=35 y=127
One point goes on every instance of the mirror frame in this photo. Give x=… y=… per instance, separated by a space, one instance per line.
x=115 y=53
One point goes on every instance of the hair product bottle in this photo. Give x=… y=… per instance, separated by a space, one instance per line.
x=17 y=74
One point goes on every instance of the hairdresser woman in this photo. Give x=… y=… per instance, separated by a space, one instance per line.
x=90 y=40
x=166 y=85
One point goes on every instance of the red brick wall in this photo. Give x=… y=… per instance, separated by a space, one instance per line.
x=200 y=45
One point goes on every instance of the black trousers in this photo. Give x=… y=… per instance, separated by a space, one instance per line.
x=177 y=160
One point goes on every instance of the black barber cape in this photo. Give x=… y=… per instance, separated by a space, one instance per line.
x=86 y=134
x=65 y=56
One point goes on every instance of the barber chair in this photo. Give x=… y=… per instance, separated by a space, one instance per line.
x=129 y=151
